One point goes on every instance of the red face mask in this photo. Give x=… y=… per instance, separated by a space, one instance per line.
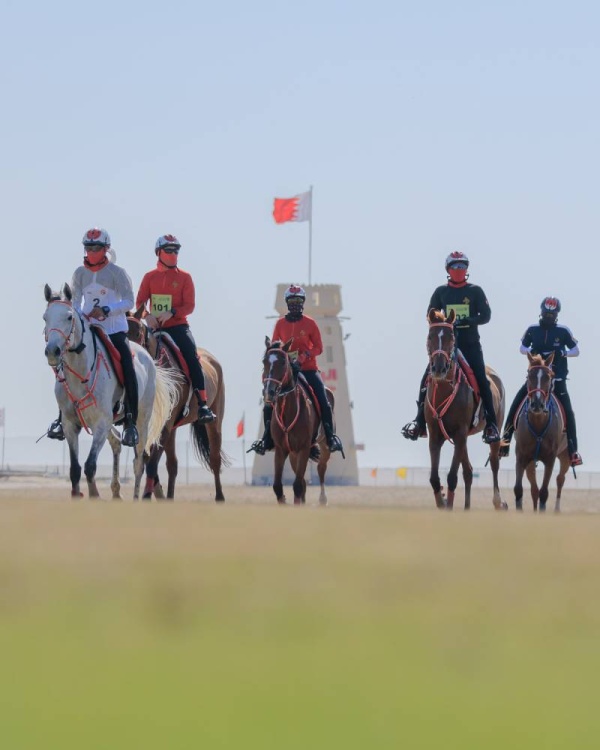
x=96 y=259
x=168 y=259
x=457 y=275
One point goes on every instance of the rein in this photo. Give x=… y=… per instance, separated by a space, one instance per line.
x=454 y=378
x=282 y=394
x=548 y=403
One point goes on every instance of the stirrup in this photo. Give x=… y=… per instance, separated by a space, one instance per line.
x=413 y=430
x=205 y=415
x=130 y=436
x=55 y=431
x=491 y=434
x=576 y=459
x=258 y=446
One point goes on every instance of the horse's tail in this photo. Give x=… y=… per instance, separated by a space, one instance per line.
x=166 y=394
x=201 y=445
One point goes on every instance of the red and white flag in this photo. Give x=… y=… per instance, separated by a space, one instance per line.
x=298 y=208
x=240 y=426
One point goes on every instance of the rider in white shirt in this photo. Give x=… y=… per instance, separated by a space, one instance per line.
x=102 y=292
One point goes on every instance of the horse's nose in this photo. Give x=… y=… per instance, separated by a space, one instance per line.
x=52 y=351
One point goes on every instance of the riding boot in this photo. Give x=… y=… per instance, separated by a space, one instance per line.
x=205 y=414
x=418 y=427
x=333 y=442
x=130 y=436
x=574 y=454
x=266 y=442
x=491 y=433
x=506 y=438
x=55 y=431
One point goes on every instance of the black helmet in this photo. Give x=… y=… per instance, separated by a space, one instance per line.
x=550 y=306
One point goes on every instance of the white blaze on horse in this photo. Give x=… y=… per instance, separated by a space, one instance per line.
x=90 y=396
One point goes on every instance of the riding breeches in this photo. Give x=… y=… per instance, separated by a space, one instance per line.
x=131 y=385
x=182 y=336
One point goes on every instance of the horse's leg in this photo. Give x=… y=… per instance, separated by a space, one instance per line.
x=560 y=479
x=101 y=430
x=533 y=486
x=72 y=437
x=467 y=472
x=435 y=449
x=138 y=469
x=115 y=444
x=548 y=469
x=322 y=470
x=299 y=461
x=460 y=442
x=152 y=485
x=172 y=464
x=495 y=467
x=214 y=440
x=280 y=456
x=519 y=471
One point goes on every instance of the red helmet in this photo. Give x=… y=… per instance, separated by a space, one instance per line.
x=457 y=257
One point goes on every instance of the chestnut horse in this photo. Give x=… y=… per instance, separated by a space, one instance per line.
x=206 y=438
x=294 y=423
x=450 y=412
x=540 y=435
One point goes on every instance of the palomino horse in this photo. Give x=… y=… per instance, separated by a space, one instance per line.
x=450 y=408
x=540 y=435
x=206 y=438
x=294 y=423
x=88 y=393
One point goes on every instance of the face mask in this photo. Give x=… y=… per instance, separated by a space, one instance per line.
x=168 y=259
x=295 y=309
x=457 y=275
x=95 y=257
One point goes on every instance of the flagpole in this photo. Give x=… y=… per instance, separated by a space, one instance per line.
x=310 y=238
x=244 y=446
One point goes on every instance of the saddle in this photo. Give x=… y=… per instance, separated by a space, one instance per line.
x=311 y=395
x=467 y=371
x=176 y=352
x=112 y=351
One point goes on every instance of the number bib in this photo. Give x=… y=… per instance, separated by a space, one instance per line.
x=461 y=310
x=160 y=303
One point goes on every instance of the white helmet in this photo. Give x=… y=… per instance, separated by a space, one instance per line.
x=457 y=257
x=294 y=291
x=96 y=237
x=166 y=240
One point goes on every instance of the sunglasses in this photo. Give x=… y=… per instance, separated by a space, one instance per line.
x=170 y=250
x=295 y=301
x=458 y=265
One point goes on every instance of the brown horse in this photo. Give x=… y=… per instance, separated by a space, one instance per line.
x=295 y=421
x=450 y=412
x=206 y=438
x=540 y=435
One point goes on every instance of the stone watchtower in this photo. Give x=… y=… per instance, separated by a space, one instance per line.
x=323 y=303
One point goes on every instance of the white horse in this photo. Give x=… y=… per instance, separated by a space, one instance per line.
x=90 y=396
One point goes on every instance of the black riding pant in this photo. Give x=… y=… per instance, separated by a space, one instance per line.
x=474 y=356
x=182 y=336
x=561 y=393
x=121 y=343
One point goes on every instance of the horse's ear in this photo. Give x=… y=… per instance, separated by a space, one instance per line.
x=451 y=317
x=67 y=292
x=139 y=312
x=549 y=360
x=267 y=342
x=431 y=315
x=286 y=346
x=47 y=293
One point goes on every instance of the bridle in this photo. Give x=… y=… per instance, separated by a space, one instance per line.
x=67 y=336
x=453 y=376
x=545 y=394
x=450 y=359
x=287 y=376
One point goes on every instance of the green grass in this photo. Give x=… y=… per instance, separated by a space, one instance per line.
x=260 y=627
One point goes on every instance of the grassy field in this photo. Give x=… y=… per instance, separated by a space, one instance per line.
x=376 y=622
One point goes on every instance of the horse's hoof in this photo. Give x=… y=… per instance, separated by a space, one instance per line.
x=76 y=494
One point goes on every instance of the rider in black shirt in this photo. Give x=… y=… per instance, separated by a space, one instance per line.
x=544 y=338
x=472 y=310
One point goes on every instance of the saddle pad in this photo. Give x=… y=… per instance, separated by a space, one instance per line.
x=112 y=351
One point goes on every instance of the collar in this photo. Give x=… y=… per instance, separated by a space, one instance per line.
x=454 y=285
x=95 y=267
x=160 y=266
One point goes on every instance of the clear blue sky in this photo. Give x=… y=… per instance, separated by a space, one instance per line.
x=424 y=127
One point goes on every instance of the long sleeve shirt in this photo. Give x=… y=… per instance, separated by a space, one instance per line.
x=470 y=305
x=306 y=340
x=109 y=287
x=168 y=289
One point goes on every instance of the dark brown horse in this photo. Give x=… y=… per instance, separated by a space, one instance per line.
x=540 y=435
x=295 y=421
x=206 y=438
x=450 y=412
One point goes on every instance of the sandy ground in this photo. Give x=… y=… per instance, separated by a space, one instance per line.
x=401 y=498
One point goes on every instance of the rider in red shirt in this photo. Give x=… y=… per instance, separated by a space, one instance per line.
x=305 y=348
x=169 y=296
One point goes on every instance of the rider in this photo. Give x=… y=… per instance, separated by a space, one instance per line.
x=306 y=345
x=544 y=338
x=472 y=310
x=102 y=292
x=171 y=296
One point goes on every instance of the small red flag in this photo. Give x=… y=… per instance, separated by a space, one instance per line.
x=240 y=427
x=298 y=208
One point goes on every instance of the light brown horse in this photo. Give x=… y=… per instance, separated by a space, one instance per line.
x=450 y=410
x=295 y=421
x=540 y=435
x=206 y=438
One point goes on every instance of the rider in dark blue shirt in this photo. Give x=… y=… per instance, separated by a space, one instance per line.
x=472 y=310
x=544 y=338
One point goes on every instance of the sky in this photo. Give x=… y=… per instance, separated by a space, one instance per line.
x=423 y=127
